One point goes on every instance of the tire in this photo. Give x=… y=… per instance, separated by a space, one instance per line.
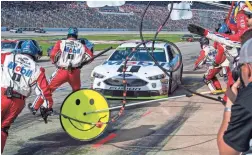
x=181 y=75
x=170 y=85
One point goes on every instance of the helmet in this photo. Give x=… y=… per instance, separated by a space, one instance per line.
x=73 y=31
x=203 y=41
x=28 y=47
x=224 y=28
x=245 y=6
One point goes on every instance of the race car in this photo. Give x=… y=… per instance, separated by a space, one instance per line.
x=144 y=79
x=39 y=30
x=16 y=30
x=15 y=46
x=9 y=45
x=190 y=37
x=88 y=44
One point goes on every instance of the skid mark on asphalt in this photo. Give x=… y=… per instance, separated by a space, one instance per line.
x=51 y=143
x=104 y=140
x=147 y=113
x=59 y=142
x=153 y=143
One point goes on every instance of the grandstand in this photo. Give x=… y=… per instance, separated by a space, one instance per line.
x=59 y=14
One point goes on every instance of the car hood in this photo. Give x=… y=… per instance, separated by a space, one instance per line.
x=134 y=68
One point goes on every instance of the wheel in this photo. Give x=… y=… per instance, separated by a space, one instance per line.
x=170 y=85
x=181 y=75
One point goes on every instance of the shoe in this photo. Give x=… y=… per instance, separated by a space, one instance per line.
x=45 y=112
x=32 y=110
x=49 y=111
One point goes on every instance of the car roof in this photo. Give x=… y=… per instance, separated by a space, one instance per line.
x=134 y=44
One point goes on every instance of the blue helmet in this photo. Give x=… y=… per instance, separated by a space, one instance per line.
x=28 y=47
x=224 y=28
x=72 y=31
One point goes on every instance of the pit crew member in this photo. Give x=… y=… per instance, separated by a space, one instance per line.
x=243 y=23
x=19 y=74
x=207 y=56
x=67 y=55
x=221 y=56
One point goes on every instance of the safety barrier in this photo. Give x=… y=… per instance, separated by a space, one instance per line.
x=80 y=29
x=64 y=29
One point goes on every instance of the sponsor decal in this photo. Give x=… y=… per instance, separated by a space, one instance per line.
x=112 y=63
x=133 y=69
x=24 y=61
x=137 y=63
x=72 y=50
x=21 y=70
x=128 y=88
x=126 y=75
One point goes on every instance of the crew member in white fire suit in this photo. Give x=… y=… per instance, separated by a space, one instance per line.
x=19 y=74
x=207 y=57
x=68 y=56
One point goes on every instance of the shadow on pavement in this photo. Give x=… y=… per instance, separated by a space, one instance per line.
x=191 y=82
x=147 y=143
x=133 y=133
x=48 y=143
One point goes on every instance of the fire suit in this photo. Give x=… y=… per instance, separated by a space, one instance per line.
x=68 y=56
x=207 y=56
x=227 y=73
x=19 y=74
x=234 y=39
x=229 y=45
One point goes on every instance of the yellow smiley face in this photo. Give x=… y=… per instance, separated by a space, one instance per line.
x=76 y=106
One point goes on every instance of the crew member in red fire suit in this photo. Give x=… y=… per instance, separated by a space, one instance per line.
x=207 y=57
x=221 y=56
x=67 y=55
x=19 y=74
x=244 y=22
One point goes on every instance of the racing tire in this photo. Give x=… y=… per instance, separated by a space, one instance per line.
x=170 y=85
x=181 y=75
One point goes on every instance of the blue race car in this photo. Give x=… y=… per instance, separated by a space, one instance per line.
x=89 y=44
x=15 y=45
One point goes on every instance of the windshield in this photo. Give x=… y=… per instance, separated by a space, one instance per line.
x=141 y=55
x=8 y=45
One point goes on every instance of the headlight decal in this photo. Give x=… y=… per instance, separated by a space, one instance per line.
x=97 y=75
x=156 y=77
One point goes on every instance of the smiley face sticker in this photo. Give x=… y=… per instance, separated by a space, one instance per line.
x=76 y=107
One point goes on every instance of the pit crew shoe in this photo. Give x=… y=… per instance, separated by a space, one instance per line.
x=32 y=110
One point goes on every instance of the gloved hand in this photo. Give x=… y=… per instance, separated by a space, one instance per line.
x=196 y=29
x=215 y=64
x=45 y=112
